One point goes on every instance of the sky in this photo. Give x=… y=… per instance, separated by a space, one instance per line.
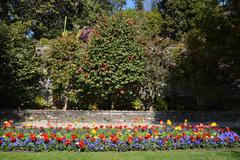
x=147 y=4
x=130 y=4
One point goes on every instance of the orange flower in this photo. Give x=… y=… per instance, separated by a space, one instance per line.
x=155 y=132
x=101 y=136
x=147 y=136
x=114 y=138
x=129 y=139
x=93 y=139
x=161 y=122
x=88 y=136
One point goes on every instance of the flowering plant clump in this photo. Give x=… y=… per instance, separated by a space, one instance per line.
x=117 y=138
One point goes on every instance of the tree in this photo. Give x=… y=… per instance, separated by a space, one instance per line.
x=19 y=67
x=139 y=4
x=114 y=65
x=47 y=18
x=209 y=66
x=179 y=15
x=62 y=62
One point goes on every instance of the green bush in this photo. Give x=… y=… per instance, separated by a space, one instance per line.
x=114 y=65
x=62 y=63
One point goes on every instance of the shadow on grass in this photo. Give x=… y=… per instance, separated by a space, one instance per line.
x=235 y=154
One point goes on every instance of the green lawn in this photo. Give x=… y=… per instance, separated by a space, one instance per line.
x=225 y=154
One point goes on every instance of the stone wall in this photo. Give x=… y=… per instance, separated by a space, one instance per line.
x=223 y=118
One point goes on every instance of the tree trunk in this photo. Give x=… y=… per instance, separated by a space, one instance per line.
x=65 y=104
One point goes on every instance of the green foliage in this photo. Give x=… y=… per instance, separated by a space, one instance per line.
x=114 y=65
x=148 y=23
x=41 y=102
x=187 y=47
x=179 y=15
x=19 y=66
x=137 y=104
x=208 y=68
x=62 y=62
x=160 y=104
x=47 y=18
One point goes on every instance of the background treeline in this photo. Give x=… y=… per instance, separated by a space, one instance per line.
x=181 y=55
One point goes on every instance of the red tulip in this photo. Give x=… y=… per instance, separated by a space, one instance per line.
x=33 y=137
x=8 y=134
x=147 y=136
x=165 y=139
x=192 y=138
x=67 y=142
x=114 y=138
x=53 y=135
x=93 y=139
x=74 y=137
x=236 y=138
x=81 y=144
x=129 y=139
x=13 y=139
x=88 y=136
x=20 y=136
x=183 y=134
x=199 y=136
x=60 y=139
x=101 y=136
x=46 y=139
x=227 y=129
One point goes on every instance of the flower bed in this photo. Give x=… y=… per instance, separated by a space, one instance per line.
x=117 y=138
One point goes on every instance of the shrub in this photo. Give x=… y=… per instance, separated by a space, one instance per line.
x=114 y=66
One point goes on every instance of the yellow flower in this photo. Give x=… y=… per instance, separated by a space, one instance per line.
x=185 y=121
x=5 y=122
x=94 y=131
x=169 y=122
x=213 y=124
x=29 y=125
x=178 y=128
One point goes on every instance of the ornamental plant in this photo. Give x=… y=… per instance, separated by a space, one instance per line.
x=61 y=64
x=114 y=65
x=165 y=136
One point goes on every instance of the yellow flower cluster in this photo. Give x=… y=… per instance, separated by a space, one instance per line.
x=178 y=128
x=213 y=124
x=169 y=122
x=94 y=131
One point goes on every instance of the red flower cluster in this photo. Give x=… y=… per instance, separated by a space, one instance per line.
x=33 y=137
x=114 y=138
x=81 y=144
